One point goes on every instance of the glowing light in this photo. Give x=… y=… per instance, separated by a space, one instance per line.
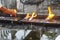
x=51 y=14
x=15 y=10
x=27 y=16
x=33 y=16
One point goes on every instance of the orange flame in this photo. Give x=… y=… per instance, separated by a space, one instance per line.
x=11 y=12
x=33 y=16
x=51 y=14
x=27 y=16
x=15 y=10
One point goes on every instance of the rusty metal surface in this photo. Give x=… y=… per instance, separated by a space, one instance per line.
x=33 y=20
x=36 y=21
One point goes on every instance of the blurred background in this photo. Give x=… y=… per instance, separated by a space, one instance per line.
x=23 y=8
x=25 y=32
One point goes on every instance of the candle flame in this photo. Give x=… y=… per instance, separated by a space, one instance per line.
x=33 y=16
x=27 y=16
x=15 y=10
x=51 y=14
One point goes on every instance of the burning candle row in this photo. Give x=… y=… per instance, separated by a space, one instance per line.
x=33 y=15
x=30 y=17
x=12 y=12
